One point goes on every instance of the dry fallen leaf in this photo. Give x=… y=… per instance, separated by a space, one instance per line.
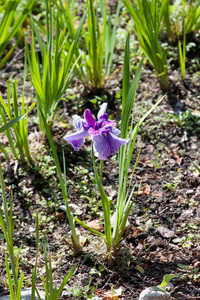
x=165 y=232
x=9 y=188
x=143 y=191
x=62 y=125
x=196 y=113
x=135 y=230
x=96 y=225
x=59 y=215
x=146 y=163
x=110 y=295
x=175 y=154
x=82 y=240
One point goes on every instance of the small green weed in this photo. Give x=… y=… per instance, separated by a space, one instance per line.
x=81 y=292
x=98 y=271
x=186 y=241
x=157 y=161
x=189 y=119
x=172 y=185
x=166 y=279
x=192 y=273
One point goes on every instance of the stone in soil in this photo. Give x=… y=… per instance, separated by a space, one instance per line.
x=26 y=295
x=152 y=294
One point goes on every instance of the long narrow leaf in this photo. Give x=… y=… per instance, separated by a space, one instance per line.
x=63 y=187
x=9 y=279
x=90 y=229
x=64 y=282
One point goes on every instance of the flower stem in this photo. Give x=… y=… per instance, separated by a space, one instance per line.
x=105 y=203
x=101 y=170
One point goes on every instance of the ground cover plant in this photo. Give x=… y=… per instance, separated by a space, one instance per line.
x=108 y=223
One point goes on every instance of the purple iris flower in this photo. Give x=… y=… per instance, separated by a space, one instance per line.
x=103 y=132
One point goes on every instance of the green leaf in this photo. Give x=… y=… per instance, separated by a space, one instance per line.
x=166 y=279
x=9 y=18
x=147 y=21
x=11 y=286
x=62 y=183
x=139 y=268
x=197 y=167
x=89 y=228
x=126 y=72
x=12 y=122
x=64 y=282
x=179 y=240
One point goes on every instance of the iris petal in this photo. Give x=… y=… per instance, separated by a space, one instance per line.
x=115 y=131
x=78 y=122
x=102 y=110
x=77 y=144
x=104 y=116
x=77 y=139
x=106 y=144
x=108 y=124
x=89 y=118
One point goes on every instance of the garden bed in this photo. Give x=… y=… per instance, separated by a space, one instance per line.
x=163 y=236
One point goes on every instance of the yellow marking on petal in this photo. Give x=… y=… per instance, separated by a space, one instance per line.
x=105 y=133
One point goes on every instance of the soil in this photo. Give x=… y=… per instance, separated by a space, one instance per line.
x=164 y=235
